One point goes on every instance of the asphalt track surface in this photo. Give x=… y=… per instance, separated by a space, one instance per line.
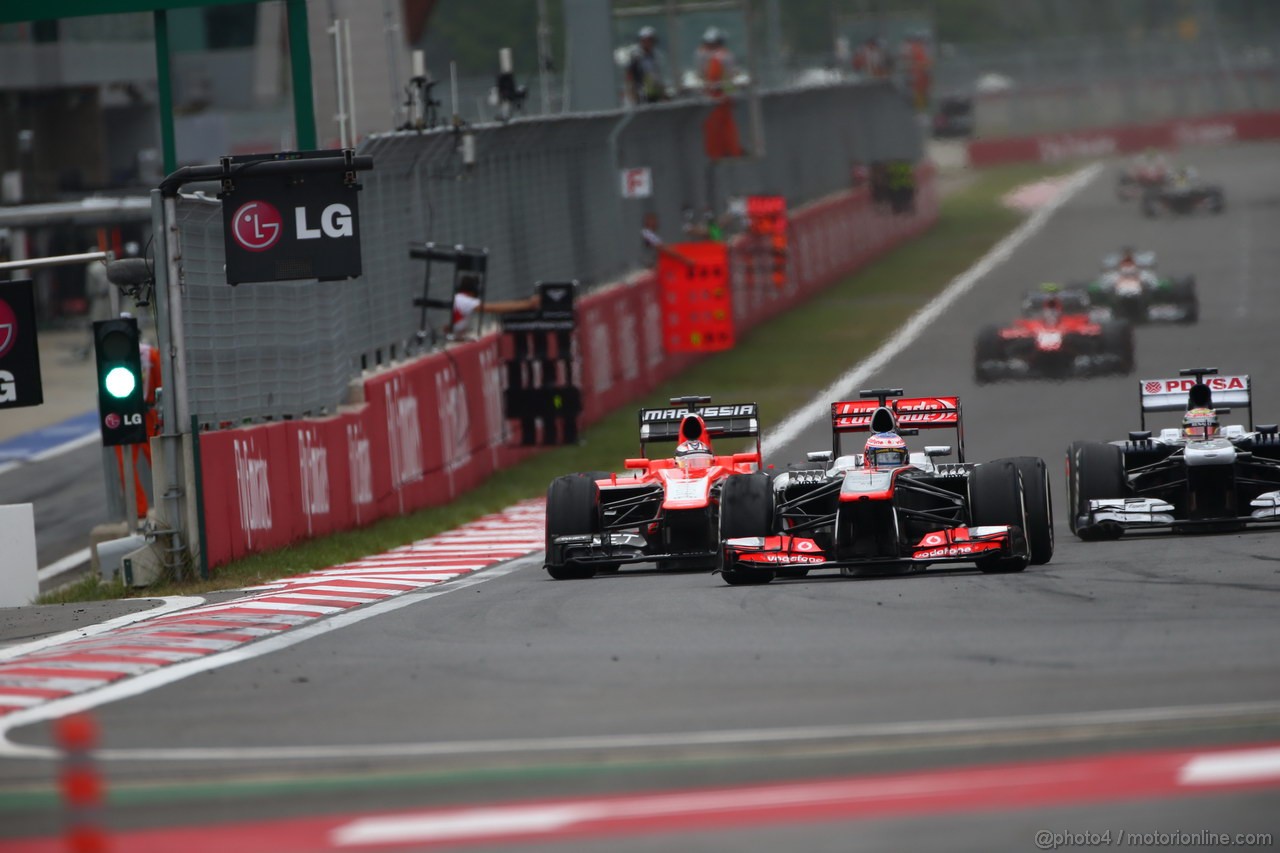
x=1144 y=623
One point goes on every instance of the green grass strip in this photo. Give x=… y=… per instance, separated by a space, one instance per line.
x=780 y=364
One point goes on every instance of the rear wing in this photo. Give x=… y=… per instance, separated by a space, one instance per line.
x=728 y=420
x=1197 y=387
x=909 y=414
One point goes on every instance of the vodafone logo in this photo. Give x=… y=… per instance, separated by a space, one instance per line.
x=257 y=226
x=111 y=421
x=8 y=328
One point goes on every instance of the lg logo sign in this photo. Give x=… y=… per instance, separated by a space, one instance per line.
x=295 y=228
x=19 y=352
x=257 y=225
x=114 y=421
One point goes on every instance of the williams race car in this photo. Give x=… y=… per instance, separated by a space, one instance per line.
x=667 y=510
x=1057 y=337
x=1182 y=194
x=887 y=510
x=1131 y=289
x=1199 y=477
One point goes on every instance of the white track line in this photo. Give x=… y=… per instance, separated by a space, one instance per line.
x=972 y=727
x=820 y=406
x=245 y=651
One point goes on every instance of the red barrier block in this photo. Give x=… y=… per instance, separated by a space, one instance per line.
x=697 y=305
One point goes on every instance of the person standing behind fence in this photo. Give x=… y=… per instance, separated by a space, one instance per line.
x=717 y=68
x=645 y=78
x=918 y=68
x=872 y=60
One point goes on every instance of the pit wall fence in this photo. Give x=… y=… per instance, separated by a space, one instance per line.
x=431 y=428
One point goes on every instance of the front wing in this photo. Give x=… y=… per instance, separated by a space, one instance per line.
x=1110 y=516
x=952 y=545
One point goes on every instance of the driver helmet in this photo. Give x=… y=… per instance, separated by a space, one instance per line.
x=1052 y=308
x=1199 y=424
x=884 y=450
x=693 y=455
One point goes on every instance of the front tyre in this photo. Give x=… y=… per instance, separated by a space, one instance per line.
x=746 y=511
x=573 y=509
x=1037 y=498
x=1095 y=471
x=996 y=498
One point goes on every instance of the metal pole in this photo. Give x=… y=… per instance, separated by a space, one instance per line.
x=197 y=463
x=164 y=90
x=544 y=56
x=673 y=35
x=351 y=80
x=304 y=109
x=339 y=79
x=170 y=492
x=56 y=261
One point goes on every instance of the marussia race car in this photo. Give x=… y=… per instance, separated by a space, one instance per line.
x=1057 y=337
x=1197 y=478
x=663 y=512
x=838 y=512
x=1131 y=289
x=1182 y=194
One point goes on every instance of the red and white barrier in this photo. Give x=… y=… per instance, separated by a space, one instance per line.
x=1104 y=142
x=433 y=428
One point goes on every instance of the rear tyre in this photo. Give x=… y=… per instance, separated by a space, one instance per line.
x=995 y=498
x=573 y=509
x=746 y=510
x=1037 y=498
x=988 y=346
x=1183 y=292
x=1117 y=340
x=1095 y=471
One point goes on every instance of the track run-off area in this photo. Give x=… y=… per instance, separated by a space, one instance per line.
x=1128 y=687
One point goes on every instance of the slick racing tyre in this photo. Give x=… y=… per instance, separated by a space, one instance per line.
x=746 y=510
x=1183 y=292
x=995 y=498
x=573 y=509
x=1095 y=471
x=988 y=346
x=1037 y=497
x=1117 y=340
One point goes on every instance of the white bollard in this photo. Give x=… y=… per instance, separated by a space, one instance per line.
x=19 y=574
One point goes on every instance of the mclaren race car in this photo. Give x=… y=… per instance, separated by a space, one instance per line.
x=1131 y=289
x=1182 y=194
x=665 y=510
x=1197 y=477
x=1058 y=336
x=1141 y=177
x=888 y=510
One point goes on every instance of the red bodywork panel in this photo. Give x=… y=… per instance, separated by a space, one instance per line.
x=685 y=489
x=1049 y=336
x=917 y=412
x=958 y=543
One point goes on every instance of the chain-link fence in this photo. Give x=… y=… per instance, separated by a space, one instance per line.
x=542 y=195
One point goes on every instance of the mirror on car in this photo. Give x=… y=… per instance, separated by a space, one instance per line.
x=936 y=450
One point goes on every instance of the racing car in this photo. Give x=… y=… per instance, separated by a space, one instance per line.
x=1182 y=194
x=1141 y=177
x=1057 y=337
x=666 y=510
x=888 y=510
x=1199 y=477
x=1131 y=289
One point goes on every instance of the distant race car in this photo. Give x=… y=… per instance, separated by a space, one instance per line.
x=888 y=510
x=1182 y=194
x=1131 y=289
x=1199 y=477
x=1058 y=336
x=667 y=510
x=1140 y=178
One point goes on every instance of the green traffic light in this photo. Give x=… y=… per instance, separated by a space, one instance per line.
x=120 y=382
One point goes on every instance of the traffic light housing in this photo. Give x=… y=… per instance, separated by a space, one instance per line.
x=121 y=396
